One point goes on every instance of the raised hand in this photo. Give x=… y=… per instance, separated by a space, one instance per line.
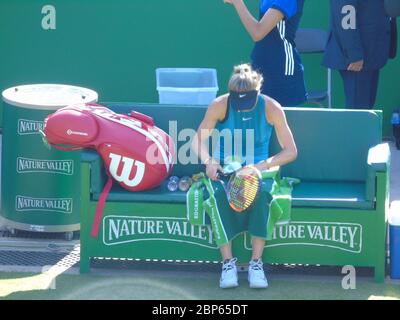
x=233 y=2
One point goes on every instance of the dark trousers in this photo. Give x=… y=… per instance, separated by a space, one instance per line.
x=360 y=88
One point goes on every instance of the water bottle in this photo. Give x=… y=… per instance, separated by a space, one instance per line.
x=396 y=127
x=395 y=117
x=185 y=183
x=173 y=183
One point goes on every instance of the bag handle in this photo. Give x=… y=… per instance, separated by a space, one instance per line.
x=57 y=146
x=62 y=148
x=142 y=117
x=100 y=206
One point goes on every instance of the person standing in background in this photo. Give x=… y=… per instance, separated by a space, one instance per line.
x=275 y=55
x=358 y=46
x=392 y=8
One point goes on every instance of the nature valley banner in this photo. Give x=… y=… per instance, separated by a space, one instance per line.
x=339 y=236
x=60 y=205
x=28 y=165
x=126 y=229
x=27 y=127
x=119 y=230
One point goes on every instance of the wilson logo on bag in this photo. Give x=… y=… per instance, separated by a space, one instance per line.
x=124 y=176
x=136 y=153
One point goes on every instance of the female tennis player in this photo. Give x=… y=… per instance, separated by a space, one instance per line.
x=250 y=117
x=274 y=54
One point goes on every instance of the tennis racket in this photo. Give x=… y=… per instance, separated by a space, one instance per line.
x=241 y=187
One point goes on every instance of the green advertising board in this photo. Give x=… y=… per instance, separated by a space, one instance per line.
x=40 y=187
x=339 y=236
x=115 y=46
x=129 y=229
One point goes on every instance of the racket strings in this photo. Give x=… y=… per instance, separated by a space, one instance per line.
x=243 y=190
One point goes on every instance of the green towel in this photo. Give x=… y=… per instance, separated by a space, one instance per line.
x=197 y=204
x=206 y=197
x=281 y=204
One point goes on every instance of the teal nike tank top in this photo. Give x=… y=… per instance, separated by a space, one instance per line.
x=244 y=135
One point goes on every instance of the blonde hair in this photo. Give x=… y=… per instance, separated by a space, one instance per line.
x=244 y=79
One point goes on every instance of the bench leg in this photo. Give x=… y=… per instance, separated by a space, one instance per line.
x=84 y=264
x=380 y=272
x=380 y=266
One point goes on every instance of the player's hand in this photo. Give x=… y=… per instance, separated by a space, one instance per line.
x=248 y=169
x=356 y=66
x=212 y=169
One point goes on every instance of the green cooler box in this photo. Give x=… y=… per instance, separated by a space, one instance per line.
x=40 y=187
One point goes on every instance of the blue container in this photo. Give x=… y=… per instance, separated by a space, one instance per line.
x=395 y=247
x=396 y=127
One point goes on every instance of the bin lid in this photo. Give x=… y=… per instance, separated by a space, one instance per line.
x=394 y=216
x=48 y=96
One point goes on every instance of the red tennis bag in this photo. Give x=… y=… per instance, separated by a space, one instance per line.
x=136 y=153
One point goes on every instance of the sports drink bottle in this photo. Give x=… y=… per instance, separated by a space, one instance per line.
x=173 y=183
x=185 y=183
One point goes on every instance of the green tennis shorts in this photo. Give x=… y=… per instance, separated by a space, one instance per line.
x=254 y=220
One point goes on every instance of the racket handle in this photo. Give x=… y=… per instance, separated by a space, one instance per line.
x=220 y=175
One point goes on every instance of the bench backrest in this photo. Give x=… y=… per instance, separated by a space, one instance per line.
x=173 y=120
x=332 y=144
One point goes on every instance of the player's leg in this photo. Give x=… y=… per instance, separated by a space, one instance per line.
x=257 y=278
x=258 y=248
x=258 y=219
x=226 y=251
x=229 y=275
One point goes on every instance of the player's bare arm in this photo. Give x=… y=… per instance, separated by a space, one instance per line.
x=216 y=112
x=276 y=117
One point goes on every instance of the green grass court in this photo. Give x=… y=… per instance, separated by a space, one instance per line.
x=148 y=285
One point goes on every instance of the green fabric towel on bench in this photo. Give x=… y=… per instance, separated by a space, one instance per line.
x=201 y=200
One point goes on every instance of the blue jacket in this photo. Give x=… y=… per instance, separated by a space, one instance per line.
x=369 y=41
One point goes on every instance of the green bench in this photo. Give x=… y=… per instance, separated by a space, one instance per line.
x=339 y=210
